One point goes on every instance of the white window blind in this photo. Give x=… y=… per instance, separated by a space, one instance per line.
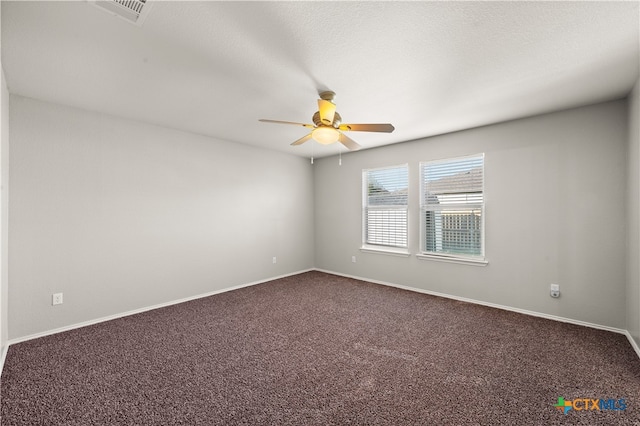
x=385 y=210
x=452 y=207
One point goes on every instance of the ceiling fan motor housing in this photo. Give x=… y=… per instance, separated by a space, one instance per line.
x=318 y=122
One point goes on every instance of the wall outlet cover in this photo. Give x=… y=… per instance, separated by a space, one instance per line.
x=56 y=299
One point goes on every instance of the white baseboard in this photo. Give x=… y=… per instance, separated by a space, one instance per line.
x=146 y=308
x=3 y=356
x=494 y=305
x=634 y=345
x=4 y=351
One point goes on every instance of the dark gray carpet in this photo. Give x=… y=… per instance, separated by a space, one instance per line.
x=317 y=349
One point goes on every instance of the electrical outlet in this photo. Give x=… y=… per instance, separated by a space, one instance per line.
x=353 y=259
x=56 y=299
x=555 y=290
x=275 y=260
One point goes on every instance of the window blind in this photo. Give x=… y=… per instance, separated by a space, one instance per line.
x=452 y=206
x=385 y=210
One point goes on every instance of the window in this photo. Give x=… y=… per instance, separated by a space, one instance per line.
x=385 y=210
x=452 y=207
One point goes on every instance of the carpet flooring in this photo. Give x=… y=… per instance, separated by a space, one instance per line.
x=318 y=349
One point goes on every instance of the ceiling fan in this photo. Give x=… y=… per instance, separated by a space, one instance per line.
x=327 y=125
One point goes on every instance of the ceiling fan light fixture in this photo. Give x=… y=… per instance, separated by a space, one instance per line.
x=326 y=135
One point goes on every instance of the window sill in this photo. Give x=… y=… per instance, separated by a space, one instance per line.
x=453 y=259
x=385 y=251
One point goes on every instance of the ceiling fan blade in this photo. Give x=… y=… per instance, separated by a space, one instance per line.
x=327 y=111
x=311 y=126
x=302 y=140
x=380 y=127
x=348 y=142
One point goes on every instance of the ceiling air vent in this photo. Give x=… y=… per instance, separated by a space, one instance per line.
x=134 y=11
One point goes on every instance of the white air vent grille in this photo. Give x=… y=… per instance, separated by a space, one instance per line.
x=134 y=11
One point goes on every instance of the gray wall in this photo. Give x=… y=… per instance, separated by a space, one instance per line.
x=120 y=215
x=633 y=218
x=555 y=213
x=4 y=142
x=4 y=208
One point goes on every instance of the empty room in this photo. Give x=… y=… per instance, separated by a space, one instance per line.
x=319 y=213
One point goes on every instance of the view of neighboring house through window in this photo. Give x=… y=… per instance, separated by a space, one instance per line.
x=385 y=206
x=452 y=207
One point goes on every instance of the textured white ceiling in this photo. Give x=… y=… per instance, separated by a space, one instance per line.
x=215 y=68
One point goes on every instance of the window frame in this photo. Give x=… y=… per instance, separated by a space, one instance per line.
x=424 y=254
x=382 y=248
